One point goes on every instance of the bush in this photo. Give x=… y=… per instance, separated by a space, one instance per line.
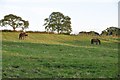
x=5 y=30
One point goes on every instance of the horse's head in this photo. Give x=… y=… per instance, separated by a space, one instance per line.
x=26 y=34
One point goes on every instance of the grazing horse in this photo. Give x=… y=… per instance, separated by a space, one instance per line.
x=22 y=35
x=97 y=41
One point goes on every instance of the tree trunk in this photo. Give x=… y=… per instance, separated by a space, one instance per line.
x=14 y=29
x=58 y=29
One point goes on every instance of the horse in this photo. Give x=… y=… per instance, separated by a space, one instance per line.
x=97 y=41
x=22 y=35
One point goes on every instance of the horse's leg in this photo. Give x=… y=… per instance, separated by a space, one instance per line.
x=96 y=42
x=19 y=36
x=23 y=37
x=99 y=42
x=92 y=41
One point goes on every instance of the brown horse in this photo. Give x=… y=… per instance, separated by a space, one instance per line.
x=22 y=35
x=97 y=41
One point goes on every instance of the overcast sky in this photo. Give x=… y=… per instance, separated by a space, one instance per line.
x=86 y=15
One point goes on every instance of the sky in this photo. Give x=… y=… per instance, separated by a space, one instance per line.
x=86 y=15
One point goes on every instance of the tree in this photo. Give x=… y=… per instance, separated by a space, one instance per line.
x=58 y=22
x=93 y=33
x=104 y=32
x=111 y=31
x=14 y=21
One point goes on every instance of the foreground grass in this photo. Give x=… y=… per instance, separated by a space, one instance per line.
x=57 y=56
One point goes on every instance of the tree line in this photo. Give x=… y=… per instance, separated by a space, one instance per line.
x=107 y=32
x=56 y=22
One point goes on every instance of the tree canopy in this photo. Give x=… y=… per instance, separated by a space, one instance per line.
x=58 y=22
x=14 y=21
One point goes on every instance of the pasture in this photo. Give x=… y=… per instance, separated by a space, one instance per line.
x=58 y=56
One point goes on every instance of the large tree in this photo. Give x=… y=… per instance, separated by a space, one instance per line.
x=14 y=21
x=58 y=22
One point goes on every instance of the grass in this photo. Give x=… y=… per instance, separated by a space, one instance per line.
x=58 y=56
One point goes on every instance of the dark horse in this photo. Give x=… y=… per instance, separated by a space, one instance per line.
x=97 y=41
x=22 y=35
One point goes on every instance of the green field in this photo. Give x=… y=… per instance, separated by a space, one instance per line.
x=58 y=56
